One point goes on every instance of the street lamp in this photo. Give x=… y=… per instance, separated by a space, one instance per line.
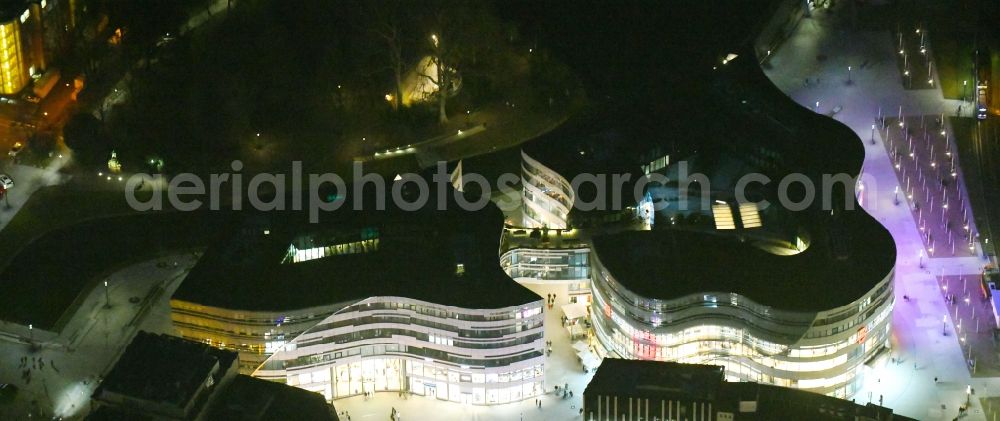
x=107 y=296
x=31 y=332
x=873 y=134
x=920 y=259
x=849 y=81
x=944 y=325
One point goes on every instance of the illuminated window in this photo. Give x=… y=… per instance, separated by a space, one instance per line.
x=750 y=215
x=723 y=217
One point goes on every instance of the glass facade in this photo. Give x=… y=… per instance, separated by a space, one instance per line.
x=824 y=352
x=547 y=196
x=397 y=344
x=13 y=68
x=547 y=264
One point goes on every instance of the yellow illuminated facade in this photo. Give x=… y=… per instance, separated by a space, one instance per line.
x=13 y=74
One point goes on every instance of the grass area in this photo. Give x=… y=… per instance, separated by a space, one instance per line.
x=56 y=207
x=953 y=57
x=981 y=192
x=991 y=408
x=949 y=26
x=65 y=238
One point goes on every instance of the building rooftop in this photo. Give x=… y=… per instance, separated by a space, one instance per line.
x=250 y=399
x=659 y=380
x=447 y=257
x=656 y=379
x=164 y=369
x=668 y=264
x=12 y=9
x=729 y=120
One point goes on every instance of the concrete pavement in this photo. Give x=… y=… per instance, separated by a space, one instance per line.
x=903 y=378
x=92 y=340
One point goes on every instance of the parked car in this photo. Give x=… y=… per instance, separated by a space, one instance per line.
x=34 y=99
x=6 y=181
x=16 y=149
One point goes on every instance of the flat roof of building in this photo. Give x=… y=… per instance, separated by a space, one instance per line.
x=656 y=379
x=447 y=257
x=251 y=399
x=660 y=380
x=12 y=9
x=670 y=264
x=723 y=118
x=164 y=369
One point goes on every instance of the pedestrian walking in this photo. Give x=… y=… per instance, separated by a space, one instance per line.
x=935 y=380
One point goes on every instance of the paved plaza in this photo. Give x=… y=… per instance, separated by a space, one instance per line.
x=61 y=384
x=926 y=163
x=904 y=377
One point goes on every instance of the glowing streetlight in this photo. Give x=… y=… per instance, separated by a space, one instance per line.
x=434 y=39
x=107 y=295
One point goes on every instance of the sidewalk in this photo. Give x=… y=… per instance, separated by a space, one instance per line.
x=920 y=351
x=93 y=339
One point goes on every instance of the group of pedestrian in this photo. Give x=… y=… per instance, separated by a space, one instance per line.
x=37 y=363
x=807 y=83
x=345 y=415
x=551 y=300
x=538 y=403
x=548 y=348
x=564 y=392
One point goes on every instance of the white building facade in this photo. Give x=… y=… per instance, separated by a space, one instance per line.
x=392 y=344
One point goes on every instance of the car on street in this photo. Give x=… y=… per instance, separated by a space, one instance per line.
x=6 y=182
x=34 y=99
x=16 y=149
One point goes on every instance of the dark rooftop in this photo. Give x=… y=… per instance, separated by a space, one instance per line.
x=656 y=379
x=670 y=264
x=250 y=399
x=12 y=9
x=695 y=108
x=417 y=256
x=164 y=369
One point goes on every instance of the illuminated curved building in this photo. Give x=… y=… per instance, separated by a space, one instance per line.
x=476 y=356
x=359 y=303
x=806 y=327
x=694 y=265
x=547 y=196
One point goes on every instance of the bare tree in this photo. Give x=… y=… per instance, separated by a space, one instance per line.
x=388 y=28
x=460 y=34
